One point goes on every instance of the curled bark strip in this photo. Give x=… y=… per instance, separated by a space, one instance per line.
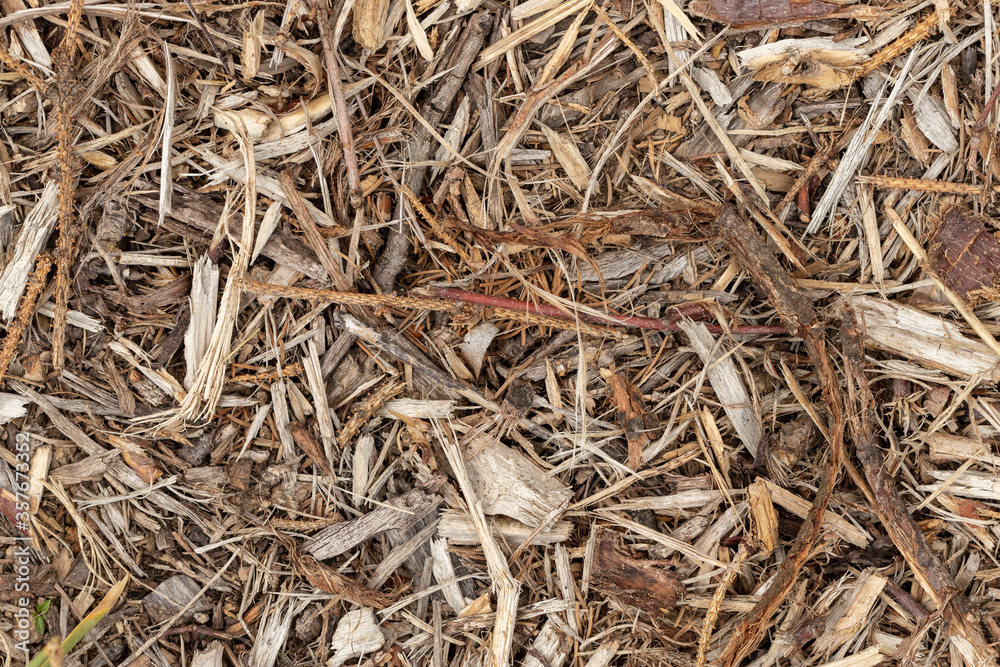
x=797 y=314
x=964 y=621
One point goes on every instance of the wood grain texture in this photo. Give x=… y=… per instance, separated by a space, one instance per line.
x=396 y=513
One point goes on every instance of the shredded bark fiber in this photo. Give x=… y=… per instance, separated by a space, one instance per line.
x=549 y=333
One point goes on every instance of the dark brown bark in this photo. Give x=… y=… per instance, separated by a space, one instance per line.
x=640 y=582
x=965 y=255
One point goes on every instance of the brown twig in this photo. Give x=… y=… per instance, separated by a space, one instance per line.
x=633 y=321
x=447 y=299
x=26 y=310
x=964 y=618
x=208 y=38
x=65 y=87
x=336 y=86
x=797 y=313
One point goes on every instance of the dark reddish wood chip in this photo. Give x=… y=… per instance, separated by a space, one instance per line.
x=750 y=14
x=620 y=573
x=965 y=255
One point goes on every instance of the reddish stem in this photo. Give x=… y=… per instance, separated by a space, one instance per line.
x=453 y=294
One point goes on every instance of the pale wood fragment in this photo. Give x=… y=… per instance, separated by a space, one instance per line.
x=930 y=341
x=507 y=482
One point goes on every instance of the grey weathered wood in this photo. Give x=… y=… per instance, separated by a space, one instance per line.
x=395 y=513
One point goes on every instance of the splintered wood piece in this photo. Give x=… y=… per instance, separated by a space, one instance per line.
x=397 y=513
x=816 y=61
x=551 y=648
x=765 y=518
x=619 y=572
x=631 y=415
x=209 y=657
x=923 y=338
x=460 y=530
x=966 y=256
x=851 y=612
x=357 y=634
x=728 y=384
x=307 y=441
x=507 y=482
x=12 y=406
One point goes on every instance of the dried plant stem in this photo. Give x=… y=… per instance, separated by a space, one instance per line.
x=65 y=94
x=27 y=309
x=447 y=299
x=208 y=38
x=924 y=29
x=964 y=618
x=799 y=316
x=921 y=185
x=608 y=320
x=333 y=81
x=720 y=594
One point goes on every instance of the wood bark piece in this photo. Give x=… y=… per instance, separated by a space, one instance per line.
x=797 y=314
x=208 y=657
x=964 y=620
x=507 y=482
x=197 y=216
x=620 y=573
x=631 y=415
x=173 y=595
x=396 y=513
x=966 y=256
x=753 y=14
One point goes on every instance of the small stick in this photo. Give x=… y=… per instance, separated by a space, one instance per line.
x=453 y=294
x=921 y=185
x=27 y=309
x=208 y=38
x=336 y=86
x=934 y=578
x=447 y=299
x=798 y=314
